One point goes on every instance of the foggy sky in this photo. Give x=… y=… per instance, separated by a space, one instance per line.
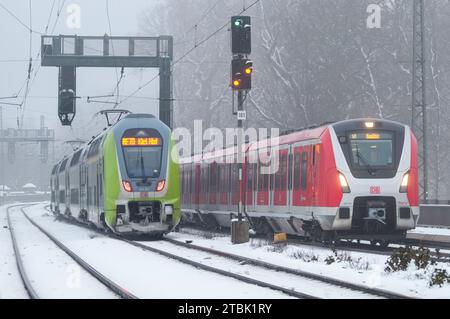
x=90 y=81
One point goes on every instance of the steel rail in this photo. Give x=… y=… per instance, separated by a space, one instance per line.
x=120 y=291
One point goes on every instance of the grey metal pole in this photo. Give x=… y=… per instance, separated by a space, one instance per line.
x=240 y=157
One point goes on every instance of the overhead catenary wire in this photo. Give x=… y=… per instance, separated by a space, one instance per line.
x=112 y=47
x=28 y=84
x=188 y=52
x=30 y=66
x=29 y=28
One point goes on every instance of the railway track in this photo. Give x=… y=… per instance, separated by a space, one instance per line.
x=115 y=288
x=257 y=263
x=195 y=264
x=437 y=256
x=280 y=269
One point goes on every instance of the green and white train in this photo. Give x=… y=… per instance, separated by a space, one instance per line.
x=125 y=180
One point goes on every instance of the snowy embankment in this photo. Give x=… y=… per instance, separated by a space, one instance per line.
x=359 y=268
x=52 y=273
x=144 y=274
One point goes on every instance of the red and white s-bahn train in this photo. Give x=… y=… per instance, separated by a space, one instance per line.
x=354 y=179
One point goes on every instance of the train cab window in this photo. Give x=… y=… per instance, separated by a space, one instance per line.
x=371 y=149
x=304 y=169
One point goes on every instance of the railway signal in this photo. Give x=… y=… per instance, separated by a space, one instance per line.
x=67 y=95
x=241 y=74
x=241 y=35
x=241 y=82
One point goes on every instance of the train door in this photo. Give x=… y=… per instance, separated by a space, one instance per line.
x=100 y=186
x=280 y=183
x=300 y=179
x=315 y=154
x=67 y=194
x=197 y=186
x=83 y=187
x=223 y=187
x=97 y=191
x=262 y=195
x=189 y=185
x=213 y=181
x=310 y=176
x=250 y=179
x=56 y=181
x=290 y=178
x=235 y=186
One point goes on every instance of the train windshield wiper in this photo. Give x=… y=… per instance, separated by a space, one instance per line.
x=360 y=157
x=144 y=177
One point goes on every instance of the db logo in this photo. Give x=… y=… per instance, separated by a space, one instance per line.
x=375 y=190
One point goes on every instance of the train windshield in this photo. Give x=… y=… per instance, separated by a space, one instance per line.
x=371 y=149
x=143 y=162
x=142 y=149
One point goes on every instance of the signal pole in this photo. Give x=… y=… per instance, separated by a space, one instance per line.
x=241 y=71
x=240 y=108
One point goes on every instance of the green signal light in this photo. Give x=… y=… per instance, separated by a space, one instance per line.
x=238 y=22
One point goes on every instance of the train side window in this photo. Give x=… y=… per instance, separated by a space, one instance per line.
x=280 y=175
x=213 y=177
x=235 y=178
x=263 y=179
x=75 y=158
x=250 y=177
x=297 y=168
x=304 y=168
x=95 y=147
x=284 y=171
x=63 y=165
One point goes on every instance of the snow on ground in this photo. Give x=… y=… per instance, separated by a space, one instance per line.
x=149 y=275
x=53 y=274
x=431 y=231
x=363 y=268
x=144 y=274
x=11 y=286
x=292 y=282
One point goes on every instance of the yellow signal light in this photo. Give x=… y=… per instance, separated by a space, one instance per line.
x=236 y=83
x=248 y=71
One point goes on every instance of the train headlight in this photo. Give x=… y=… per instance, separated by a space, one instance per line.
x=344 y=185
x=127 y=186
x=160 y=185
x=404 y=184
x=369 y=124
